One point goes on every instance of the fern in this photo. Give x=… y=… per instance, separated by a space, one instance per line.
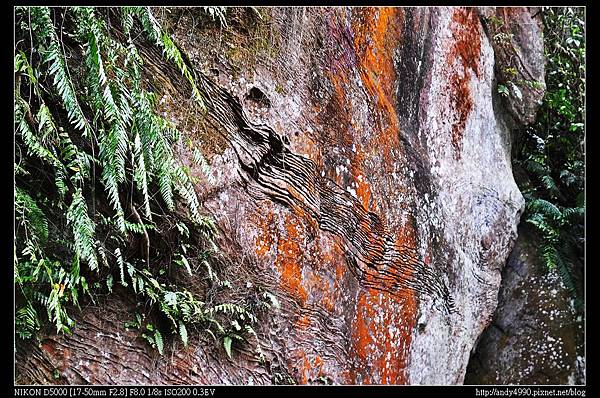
x=200 y=161
x=111 y=134
x=140 y=175
x=27 y=322
x=114 y=167
x=219 y=12
x=83 y=230
x=127 y=14
x=170 y=50
x=184 y=262
x=550 y=185
x=545 y=207
x=121 y=264
x=30 y=138
x=183 y=334
x=22 y=65
x=186 y=190
x=567 y=279
x=554 y=223
x=165 y=181
x=573 y=213
x=159 y=341
x=58 y=69
x=31 y=217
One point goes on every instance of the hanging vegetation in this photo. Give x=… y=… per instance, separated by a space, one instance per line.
x=100 y=198
x=552 y=150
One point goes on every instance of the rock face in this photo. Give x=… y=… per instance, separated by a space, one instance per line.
x=360 y=170
x=536 y=334
x=516 y=36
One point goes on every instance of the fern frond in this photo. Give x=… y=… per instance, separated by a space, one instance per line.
x=544 y=207
x=22 y=65
x=536 y=167
x=183 y=334
x=220 y=12
x=227 y=308
x=550 y=255
x=58 y=69
x=170 y=50
x=121 y=265
x=540 y=222
x=565 y=275
x=28 y=211
x=26 y=321
x=573 y=212
x=200 y=161
x=32 y=142
x=159 y=341
x=164 y=173
x=140 y=174
x=83 y=230
x=46 y=126
x=113 y=152
x=185 y=188
x=550 y=184
x=127 y=14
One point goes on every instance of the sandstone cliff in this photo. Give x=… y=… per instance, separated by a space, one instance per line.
x=360 y=168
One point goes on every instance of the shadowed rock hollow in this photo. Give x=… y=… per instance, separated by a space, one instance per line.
x=360 y=169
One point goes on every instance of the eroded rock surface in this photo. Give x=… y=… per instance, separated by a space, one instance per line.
x=360 y=170
x=536 y=336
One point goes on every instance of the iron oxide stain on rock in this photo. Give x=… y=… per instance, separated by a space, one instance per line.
x=465 y=51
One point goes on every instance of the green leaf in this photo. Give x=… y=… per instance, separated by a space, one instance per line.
x=502 y=89
x=227 y=345
x=545 y=207
x=83 y=230
x=159 y=341
x=183 y=333
x=109 y=282
x=185 y=263
x=171 y=298
x=576 y=126
x=154 y=283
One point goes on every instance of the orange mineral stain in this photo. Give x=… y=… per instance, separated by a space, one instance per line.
x=305 y=368
x=264 y=240
x=382 y=330
x=288 y=260
x=466 y=51
x=376 y=35
x=303 y=322
x=382 y=336
x=363 y=189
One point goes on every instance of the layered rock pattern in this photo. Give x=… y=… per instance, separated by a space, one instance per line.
x=269 y=170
